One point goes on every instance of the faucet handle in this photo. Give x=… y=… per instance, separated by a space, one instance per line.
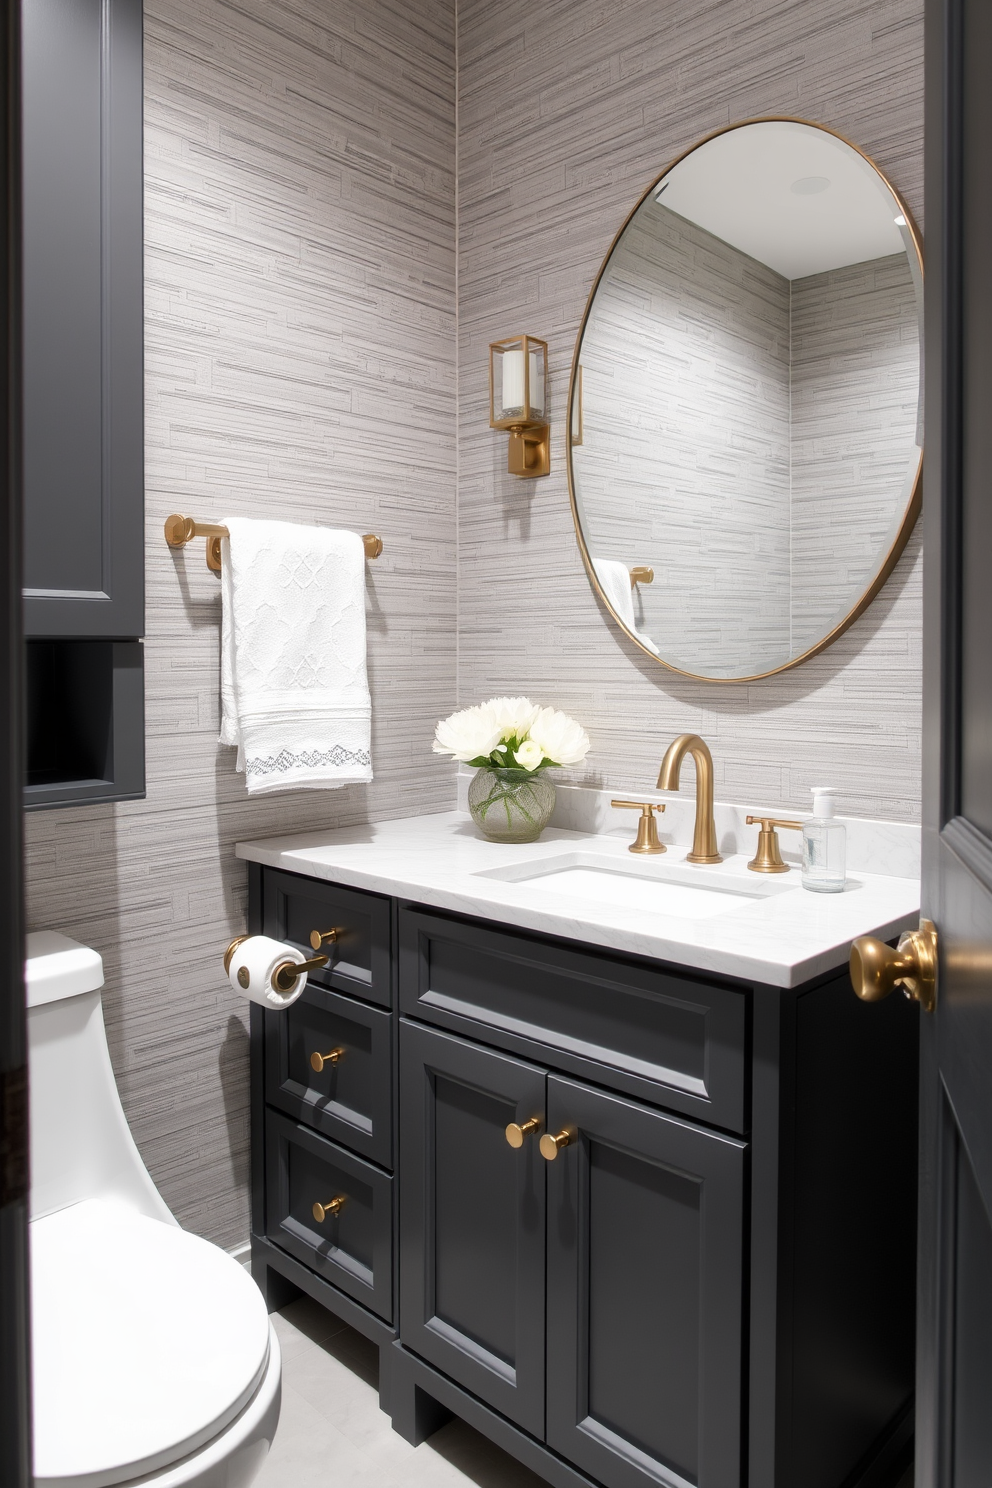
x=768 y=858
x=647 y=828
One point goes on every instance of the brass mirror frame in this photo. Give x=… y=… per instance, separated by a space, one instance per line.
x=915 y=503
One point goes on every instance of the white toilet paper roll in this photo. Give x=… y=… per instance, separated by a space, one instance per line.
x=253 y=966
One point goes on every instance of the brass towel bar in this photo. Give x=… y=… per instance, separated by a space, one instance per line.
x=180 y=530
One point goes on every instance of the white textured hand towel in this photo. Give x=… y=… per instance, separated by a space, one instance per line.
x=614 y=580
x=294 y=691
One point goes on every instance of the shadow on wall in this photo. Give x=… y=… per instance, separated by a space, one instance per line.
x=232 y=1066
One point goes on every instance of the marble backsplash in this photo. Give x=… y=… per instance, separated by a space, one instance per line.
x=888 y=847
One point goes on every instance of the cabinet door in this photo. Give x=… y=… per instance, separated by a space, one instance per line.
x=472 y=1217
x=645 y=1263
x=83 y=353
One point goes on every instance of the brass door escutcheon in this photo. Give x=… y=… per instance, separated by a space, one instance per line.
x=552 y=1143
x=877 y=969
x=515 y=1133
x=317 y=1061
x=321 y=1211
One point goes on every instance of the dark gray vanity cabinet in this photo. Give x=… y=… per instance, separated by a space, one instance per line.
x=711 y=1282
x=83 y=399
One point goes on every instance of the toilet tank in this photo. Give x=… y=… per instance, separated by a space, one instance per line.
x=81 y=1145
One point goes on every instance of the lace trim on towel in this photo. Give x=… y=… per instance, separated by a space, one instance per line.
x=311 y=759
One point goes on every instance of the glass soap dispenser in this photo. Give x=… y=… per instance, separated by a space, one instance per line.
x=824 y=846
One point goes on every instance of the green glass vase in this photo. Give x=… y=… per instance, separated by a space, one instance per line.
x=511 y=805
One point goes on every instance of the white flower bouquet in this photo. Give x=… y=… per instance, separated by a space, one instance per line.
x=512 y=733
x=511 y=742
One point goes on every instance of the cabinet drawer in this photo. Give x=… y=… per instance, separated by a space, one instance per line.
x=293 y=907
x=350 y=1099
x=666 y=1037
x=352 y=1248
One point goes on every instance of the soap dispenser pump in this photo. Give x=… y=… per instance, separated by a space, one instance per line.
x=824 y=846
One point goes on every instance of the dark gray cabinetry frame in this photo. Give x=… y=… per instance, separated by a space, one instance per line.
x=710 y=1286
x=83 y=399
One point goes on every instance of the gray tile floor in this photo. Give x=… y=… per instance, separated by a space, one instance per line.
x=332 y=1433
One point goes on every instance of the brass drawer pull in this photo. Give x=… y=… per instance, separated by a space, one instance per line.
x=320 y=938
x=317 y=1061
x=321 y=1211
x=551 y=1144
x=515 y=1132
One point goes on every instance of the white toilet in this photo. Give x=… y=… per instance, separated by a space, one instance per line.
x=153 y=1357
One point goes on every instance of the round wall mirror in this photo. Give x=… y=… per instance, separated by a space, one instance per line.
x=745 y=409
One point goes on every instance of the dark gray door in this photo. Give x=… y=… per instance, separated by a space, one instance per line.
x=15 y=1386
x=645 y=1251
x=954 y=1378
x=472 y=1213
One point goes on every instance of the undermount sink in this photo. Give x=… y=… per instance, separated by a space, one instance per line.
x=681 y=889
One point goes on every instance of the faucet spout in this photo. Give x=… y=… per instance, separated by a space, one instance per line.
x=704 y=833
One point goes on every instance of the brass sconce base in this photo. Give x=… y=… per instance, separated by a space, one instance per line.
x=529 y=453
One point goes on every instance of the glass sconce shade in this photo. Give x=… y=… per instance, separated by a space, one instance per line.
x=518 y=383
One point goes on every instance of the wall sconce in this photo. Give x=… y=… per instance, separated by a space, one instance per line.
x=518 y=402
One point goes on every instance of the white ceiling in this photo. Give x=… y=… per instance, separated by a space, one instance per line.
x=738 y=186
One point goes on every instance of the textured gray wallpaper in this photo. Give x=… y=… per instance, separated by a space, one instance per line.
x=567 y=110
x=684 y=464
x=299 y=294
x=301 y=357
x=855 y=397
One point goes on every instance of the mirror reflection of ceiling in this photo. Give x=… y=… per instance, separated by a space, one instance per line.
x=751 y=435
x=795 y=198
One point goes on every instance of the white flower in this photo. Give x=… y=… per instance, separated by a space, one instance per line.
x=560 y=738
x=468 y=734
x=529 y=755
x=513 y=715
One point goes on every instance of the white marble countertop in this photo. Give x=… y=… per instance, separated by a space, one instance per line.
x=784 y=936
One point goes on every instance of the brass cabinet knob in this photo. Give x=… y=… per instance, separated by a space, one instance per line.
x=320 y=938
x=552 y=1143
x=515 y=1134
x=768 y=858
x=877 y=969
x=317 y=1061
x=321 y=1211
x=647 y=828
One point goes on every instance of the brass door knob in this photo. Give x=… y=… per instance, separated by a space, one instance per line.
x=321 y=1211
x=877 y=969
x=552 y=1143
x=319 y=938
x=317 y=1061
x=515 y=1134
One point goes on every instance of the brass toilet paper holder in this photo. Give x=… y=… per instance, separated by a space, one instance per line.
x=286 y=974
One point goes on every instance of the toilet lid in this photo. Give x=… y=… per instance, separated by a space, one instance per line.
x=147 y=1342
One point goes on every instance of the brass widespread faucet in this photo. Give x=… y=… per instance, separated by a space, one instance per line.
x=704 y=833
